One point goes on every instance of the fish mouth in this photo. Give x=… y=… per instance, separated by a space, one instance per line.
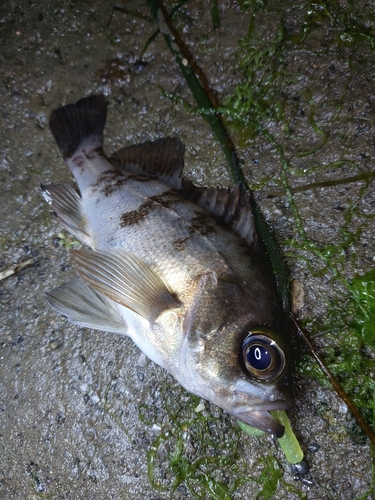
x=262 y=420
x=257 y=415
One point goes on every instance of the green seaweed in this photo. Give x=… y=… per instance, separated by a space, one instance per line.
x=67 y=241
x=200 y=454
x=349 y=329
x=349 y=20
x=108 y=409
x=363 y=294
x=349 y=335
x=215 y=14
x=269 y=478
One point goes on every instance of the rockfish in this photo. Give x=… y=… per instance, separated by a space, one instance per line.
x=175 y=267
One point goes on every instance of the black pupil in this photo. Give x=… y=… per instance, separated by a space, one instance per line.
x=259 y=357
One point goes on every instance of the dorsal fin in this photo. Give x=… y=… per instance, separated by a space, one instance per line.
x=229 y=205
x=162 y=159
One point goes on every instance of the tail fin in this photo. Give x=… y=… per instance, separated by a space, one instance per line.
x=74 y=123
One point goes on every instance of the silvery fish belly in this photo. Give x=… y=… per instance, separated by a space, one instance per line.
x=175 y=267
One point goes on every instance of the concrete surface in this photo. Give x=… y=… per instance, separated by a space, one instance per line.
x=71 y=399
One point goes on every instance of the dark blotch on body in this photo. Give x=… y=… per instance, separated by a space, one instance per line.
x=109 y=181
x=79 y=162
x=202 y=223
x=93 y=153
x=165 y=200
x=135 y=216
x=139 y=178
x=181 y=243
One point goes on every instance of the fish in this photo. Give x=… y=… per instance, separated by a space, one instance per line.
x=178 y=268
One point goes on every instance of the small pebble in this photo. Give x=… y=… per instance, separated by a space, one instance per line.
x=300 y=469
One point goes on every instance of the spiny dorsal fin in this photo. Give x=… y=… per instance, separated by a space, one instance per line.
x=162 y=159
x=229 y=205
x=73 y=124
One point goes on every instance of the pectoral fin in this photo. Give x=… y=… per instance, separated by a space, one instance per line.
x=65 y=201
x=126 y=279
x=85 y=307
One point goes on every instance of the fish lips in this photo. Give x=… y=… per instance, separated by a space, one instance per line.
x=263 y=420
x=253 y=409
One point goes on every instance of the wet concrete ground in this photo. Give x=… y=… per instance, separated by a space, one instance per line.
x=70 y=398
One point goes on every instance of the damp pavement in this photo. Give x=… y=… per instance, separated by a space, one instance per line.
x=70 y=398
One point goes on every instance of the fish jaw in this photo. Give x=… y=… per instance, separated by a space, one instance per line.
x=249 y=401
x=247 y=408
x=251 y=408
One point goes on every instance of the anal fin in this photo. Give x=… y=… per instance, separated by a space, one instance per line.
x=67 y=204
x=85 y=307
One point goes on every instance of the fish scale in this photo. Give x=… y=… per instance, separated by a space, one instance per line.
x=179 y=269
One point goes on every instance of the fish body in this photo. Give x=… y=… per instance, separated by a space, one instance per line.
x=175 y=267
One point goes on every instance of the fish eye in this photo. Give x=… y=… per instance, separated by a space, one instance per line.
x=261 y=355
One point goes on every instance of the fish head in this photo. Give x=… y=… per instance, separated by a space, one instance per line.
x=244 y=371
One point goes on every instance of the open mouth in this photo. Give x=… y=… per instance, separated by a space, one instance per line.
x=258 y=415
x=262 y=420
